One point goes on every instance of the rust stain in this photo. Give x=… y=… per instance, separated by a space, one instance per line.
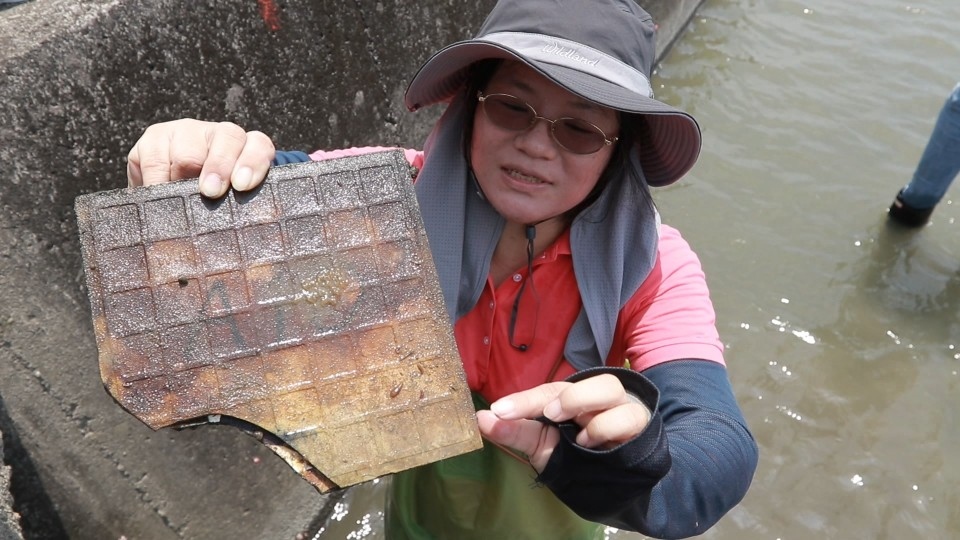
x=270 y=14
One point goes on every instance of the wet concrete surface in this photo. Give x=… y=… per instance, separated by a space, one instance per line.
x=78 y=84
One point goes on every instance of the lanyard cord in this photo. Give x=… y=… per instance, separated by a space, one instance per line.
x=531 y=232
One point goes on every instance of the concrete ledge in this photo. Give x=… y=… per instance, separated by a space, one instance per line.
x=671 y=17
x=79 y=81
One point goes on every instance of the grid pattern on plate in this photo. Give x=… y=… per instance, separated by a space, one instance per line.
x=309 y=307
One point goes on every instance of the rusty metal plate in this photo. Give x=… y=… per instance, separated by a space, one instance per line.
x=307 y=312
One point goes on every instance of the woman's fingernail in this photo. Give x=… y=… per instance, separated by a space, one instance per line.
x=502 y=408
x=243 y=178
x=583 y=439
x=553 y=410
x=211 y=185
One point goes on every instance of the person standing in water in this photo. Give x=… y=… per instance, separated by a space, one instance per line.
x=938 y=167
x=585 y=325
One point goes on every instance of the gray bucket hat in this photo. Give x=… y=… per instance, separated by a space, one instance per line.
x=601 y=50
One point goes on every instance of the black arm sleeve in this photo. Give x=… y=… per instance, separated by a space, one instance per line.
x=692 y=464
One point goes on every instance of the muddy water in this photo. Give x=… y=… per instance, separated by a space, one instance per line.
x=842 y=332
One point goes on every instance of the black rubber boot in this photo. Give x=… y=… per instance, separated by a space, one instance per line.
x=907 y=215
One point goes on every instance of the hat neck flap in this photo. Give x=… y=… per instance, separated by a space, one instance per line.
x=613 y=241
x=614 y=247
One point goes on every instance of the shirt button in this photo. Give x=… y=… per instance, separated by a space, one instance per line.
x=491 y=305
x=486 y=340
x=517 y=277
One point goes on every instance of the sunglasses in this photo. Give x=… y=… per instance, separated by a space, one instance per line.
x=572 y=134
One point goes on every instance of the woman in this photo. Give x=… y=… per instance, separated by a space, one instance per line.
x=585 y=327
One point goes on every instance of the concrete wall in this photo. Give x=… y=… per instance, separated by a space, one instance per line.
x=79 y=81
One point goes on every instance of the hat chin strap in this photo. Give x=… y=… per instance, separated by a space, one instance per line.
x=530 y=232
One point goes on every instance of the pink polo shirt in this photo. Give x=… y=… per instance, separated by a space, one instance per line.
x=670 y=317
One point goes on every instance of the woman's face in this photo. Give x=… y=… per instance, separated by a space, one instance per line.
x=526 y=175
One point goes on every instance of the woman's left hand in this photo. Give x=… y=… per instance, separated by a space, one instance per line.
x=605 y=412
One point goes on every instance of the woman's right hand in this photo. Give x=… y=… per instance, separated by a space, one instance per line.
x=221 y=154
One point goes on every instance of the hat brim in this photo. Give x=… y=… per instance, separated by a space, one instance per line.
x=667 y=154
